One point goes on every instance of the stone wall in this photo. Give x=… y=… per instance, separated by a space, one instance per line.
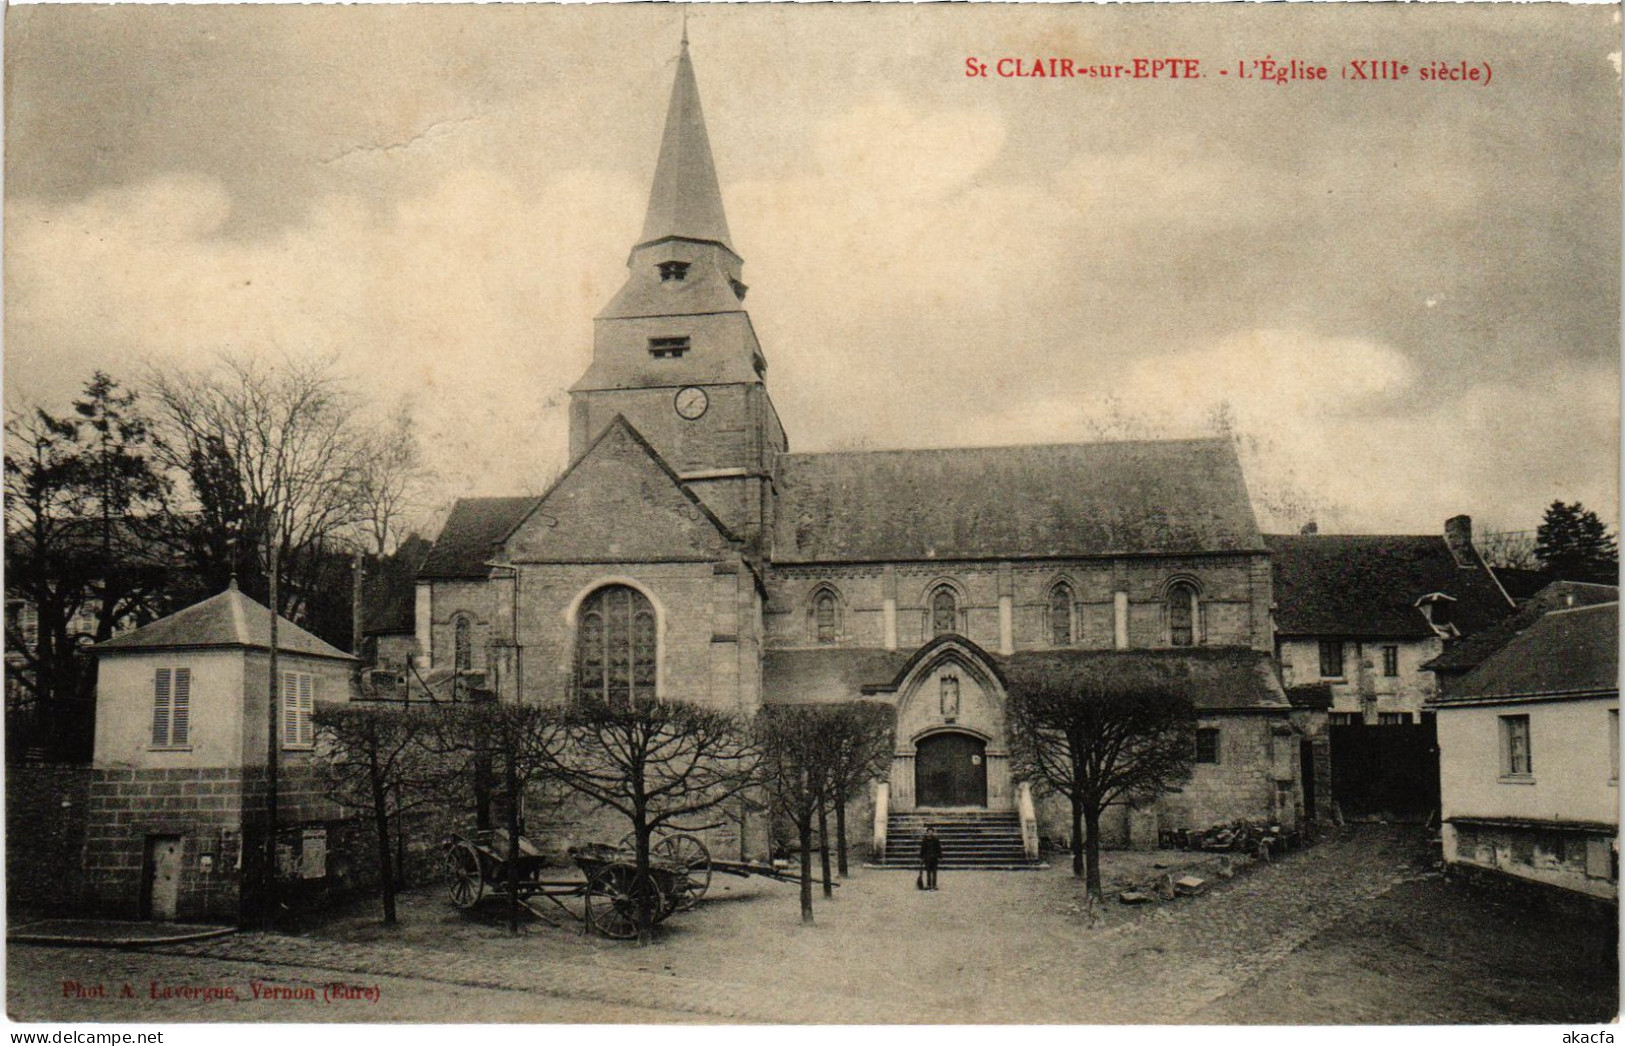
x=208 y=809
x=1256 y=778
x=1584 y=862
x=1234 y=600
x=46 y=813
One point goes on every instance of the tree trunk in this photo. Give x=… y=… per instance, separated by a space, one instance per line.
x=642 y=881
x=804 y=827
x=380 y=816
x=1077 y=839
x=1091 y=819
x=840 y=837
x=823 y=845
x=513 y=842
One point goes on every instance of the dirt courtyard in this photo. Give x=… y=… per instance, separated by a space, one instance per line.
x=1319 y=937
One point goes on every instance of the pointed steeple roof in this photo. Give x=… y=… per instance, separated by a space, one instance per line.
x=685 y=200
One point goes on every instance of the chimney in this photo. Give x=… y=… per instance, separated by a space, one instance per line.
x=1458 y=536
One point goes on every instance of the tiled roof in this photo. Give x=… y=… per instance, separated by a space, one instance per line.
x=1368 y=585
x=1062 y=500
x=1566 y=652
x=229 y=619
x=1310 y=695
x=464 y=546
x=826 y=674
x=1469 y=651
x=1218 y=678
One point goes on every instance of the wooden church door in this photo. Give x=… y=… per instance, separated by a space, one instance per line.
x=950 y=770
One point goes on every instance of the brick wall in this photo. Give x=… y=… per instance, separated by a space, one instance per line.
x=46 y=813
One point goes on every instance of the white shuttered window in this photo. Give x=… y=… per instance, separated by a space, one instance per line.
x=298 y=700
x=172 y=708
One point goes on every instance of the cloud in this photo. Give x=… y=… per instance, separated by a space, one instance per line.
x=473 y=298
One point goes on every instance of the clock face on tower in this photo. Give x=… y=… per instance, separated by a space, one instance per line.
x=691 y=402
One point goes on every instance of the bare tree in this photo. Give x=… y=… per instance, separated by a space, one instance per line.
x=657 y=763
x=860 y=751
x=1098 y=728
x=391 y=482
x=376 y=758
x=1509 y=549
x=796 y=758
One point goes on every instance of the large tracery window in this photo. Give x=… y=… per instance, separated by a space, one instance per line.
x=616 y=646
x=1060 y=615
x=1182 y=614
x=944 y=612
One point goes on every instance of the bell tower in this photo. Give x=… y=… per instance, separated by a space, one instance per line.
x=674 y=351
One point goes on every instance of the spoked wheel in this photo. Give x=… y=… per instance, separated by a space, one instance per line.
x=692 y=862
x=620 y=902
x=467 y=885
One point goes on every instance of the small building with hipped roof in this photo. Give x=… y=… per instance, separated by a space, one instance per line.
x=1529 y=757
x=178 y=789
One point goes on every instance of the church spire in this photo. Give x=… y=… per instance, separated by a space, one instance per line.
x=685 y=202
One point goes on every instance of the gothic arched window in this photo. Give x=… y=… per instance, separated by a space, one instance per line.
x=824 y=618
x=1182 y=614
x=944 y=612
x=462 y=644
x=1060 y=615
x=616 y=646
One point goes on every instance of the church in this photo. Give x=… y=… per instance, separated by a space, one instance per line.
x=687 y=553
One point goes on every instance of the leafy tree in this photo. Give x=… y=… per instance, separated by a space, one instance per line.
x=377 y=758
x=1574 y=544
x=1099 y=728
x=82 y=495
x=797 y=753
x=657 y=763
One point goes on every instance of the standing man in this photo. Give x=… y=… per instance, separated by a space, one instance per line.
x=930 y=856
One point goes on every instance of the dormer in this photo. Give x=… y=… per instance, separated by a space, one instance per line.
x=1439 y=609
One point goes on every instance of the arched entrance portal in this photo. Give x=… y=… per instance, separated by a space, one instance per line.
x=950 y=769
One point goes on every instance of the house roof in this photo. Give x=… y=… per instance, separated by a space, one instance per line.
x=1565 y=653
x=1469 y=651
x=1059 y=500
x=227 y=620
x=1218 y=678
x=463 y=548
x=1368 y=585
x=826 y=674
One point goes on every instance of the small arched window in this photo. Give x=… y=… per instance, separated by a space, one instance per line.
x=616 y=646
x=944 y=612
x=1060 y=615
x=1182 y=614
x=462 y=644
x=824 y=618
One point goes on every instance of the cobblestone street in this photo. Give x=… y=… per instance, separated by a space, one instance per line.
x=1290 y=942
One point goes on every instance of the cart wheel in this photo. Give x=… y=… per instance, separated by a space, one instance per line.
x=620 y=902
x=467 y=884
x=687 y=853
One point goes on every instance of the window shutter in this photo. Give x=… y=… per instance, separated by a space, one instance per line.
x=307 y=705
x=160 y=707
x=180 y=720
x=290 y=709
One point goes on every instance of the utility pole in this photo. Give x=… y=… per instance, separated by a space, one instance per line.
x=273 y=745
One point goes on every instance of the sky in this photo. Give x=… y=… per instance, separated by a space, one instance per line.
x=1405 y=294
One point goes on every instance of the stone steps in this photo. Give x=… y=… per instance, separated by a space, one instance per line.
x=971 y=839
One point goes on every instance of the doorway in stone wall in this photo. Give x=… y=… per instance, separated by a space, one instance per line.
x=950 y=769
x=161 y=889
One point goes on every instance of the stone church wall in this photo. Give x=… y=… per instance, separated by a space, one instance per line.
x=709 y=642
x=475 y=598
x=1234 y=600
